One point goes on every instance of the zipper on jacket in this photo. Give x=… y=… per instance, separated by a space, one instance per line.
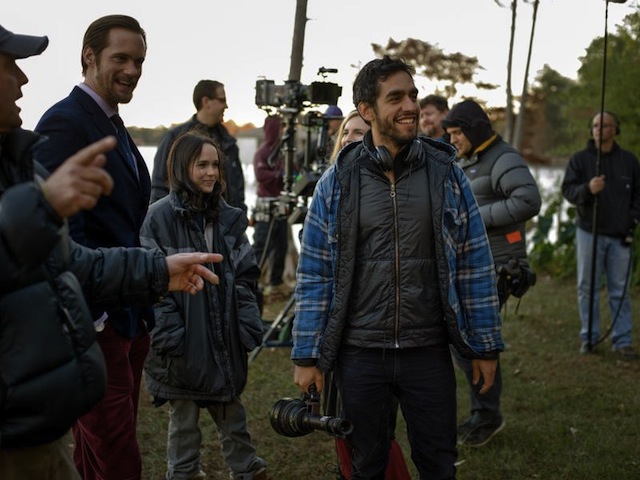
x=396 y=251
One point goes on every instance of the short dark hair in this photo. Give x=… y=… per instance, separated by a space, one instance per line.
x=366 y=86
x=97 y=35
x=184 y=152
x=204 y=88
x=438 y=101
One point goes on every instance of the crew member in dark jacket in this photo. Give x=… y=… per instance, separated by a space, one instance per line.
x=199 y=346
x=210 y=100
x=271 y=231
x=51 y=368
x=508 y=197
x=617 y=187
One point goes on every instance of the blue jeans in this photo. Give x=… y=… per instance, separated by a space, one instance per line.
x=613 y=260
x=423 y=381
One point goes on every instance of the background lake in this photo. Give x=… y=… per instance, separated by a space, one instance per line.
x=548 y=178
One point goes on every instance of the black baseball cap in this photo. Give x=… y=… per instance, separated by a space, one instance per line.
x=21 y=46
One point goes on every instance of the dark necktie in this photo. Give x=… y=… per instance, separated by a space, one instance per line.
x=121 y=132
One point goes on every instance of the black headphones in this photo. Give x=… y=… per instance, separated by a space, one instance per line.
x=382 y=156
x=616 y=121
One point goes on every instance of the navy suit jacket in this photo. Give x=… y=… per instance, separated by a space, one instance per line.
x=72 y=124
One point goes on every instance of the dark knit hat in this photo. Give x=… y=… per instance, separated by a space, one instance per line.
x=333 y=111
x=472 y=120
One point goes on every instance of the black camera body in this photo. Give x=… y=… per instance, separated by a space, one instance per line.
x=300 y=173
x=295 y=418
x=294 y=94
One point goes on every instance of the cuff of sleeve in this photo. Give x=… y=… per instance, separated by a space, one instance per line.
x=305 y=362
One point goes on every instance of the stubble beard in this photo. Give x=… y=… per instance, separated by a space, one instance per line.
x=390 y=131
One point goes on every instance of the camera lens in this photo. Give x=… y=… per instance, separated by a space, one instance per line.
x=291 y=418
x=288 y=418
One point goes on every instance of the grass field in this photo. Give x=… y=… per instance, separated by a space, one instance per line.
x=569 y=417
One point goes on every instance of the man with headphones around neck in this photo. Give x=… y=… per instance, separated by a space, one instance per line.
x=394 y=266
x=508 y=197
x=616 y=184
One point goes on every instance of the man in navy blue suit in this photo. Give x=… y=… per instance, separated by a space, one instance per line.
x=113 y=51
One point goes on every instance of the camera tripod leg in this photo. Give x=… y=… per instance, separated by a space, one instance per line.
x=283 y=318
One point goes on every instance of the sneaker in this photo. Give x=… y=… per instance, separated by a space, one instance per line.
x=465 y=428
x=198 y=475
x=260 y=474
x=584 y=349
x=625 y=353
x=477 y=431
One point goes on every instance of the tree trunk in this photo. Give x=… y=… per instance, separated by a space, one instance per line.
x=297 y=42
x=517 y=138
x=508 y=128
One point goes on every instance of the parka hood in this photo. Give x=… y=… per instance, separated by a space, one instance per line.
x=472 y=120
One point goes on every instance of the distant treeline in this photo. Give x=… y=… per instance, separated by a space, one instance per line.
x=151 y=136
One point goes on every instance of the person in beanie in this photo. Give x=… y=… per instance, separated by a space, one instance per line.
x=508 y=197
x=51 y=368
x=327 y=141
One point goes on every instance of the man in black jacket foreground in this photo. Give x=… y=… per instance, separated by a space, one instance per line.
x=51 y=369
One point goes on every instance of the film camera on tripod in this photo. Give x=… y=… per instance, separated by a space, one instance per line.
x=298 y=174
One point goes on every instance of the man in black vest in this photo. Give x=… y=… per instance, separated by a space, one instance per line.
x=508 y=197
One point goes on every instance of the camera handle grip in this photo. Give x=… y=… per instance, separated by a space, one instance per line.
x=312 y=399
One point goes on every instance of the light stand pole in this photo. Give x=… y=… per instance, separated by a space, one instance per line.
x=594 y=227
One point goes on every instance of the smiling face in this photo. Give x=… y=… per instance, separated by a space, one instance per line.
x=430 y=121
x=114 y=73
x=205 y=170
x=354 y=130
x=394 y=117
x=212 y=110
x=12 y=78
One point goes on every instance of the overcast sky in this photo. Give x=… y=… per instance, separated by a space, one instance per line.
x=239 y=41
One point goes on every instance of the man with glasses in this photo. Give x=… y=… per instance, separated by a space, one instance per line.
x=616 y=185
x=210 y=101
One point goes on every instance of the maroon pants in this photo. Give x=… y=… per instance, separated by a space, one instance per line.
x=106 y=445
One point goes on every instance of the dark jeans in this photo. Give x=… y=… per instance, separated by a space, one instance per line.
x=423 y=381
x=275 y=245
